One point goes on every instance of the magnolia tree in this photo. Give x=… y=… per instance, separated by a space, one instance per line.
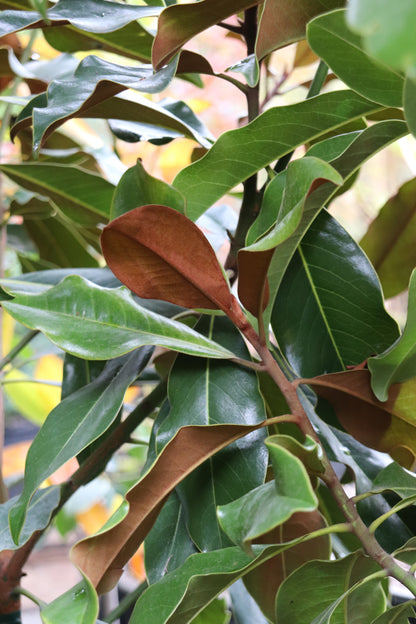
x=277 y=378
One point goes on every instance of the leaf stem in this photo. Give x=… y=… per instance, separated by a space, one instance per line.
x=401 y=505
x=24 y=592
x=16 y=350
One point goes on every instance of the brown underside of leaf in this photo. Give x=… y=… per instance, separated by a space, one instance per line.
x=384 y=426
x=160 y=254
x=103 y=556
x=253 y=286
x=264 y=581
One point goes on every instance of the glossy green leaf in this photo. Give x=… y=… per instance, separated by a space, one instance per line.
x=79 y=604
x=183 y=593
x=407 y=552
x=60 y=243
x=324 y=316
x=214 y=613
x=168 y=544
x=409 y=103
x=202 y=392
x=91 y=16
x=309 y=452
x=82 y=196
x=301 y=175
x=292 y=18
x=87 y=413
x=179 y=23
x=397 y=479
x=139 y=188
x=249 y=68
x=39 y=514
x=93 y=81
x=397 y=615
x=131 y=41
x=271 y=504
x=398 y=362
x=389 y=241
x=333 y=41
x=387 y=33
x=238 y=154
x=39 y=281
x=102 y=323
x=328 y=595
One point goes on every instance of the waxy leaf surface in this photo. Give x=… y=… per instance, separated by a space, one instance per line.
x=102 y=323
x=333 y=41
x=238 y=154
x=329 y=311
x=103 y=556
x=73 y=424
x=323 y=583
x=389 y=241
x=271 y=504
x=203 y=393
x=397 y=363
x=160 y=254
x=80 y=605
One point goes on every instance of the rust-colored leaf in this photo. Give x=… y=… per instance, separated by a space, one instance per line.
x=253 y=286
x=181 y=22
x=264 y=581
x=103 y=556
x=160 y=254
x=388 y=426
x=292 y=18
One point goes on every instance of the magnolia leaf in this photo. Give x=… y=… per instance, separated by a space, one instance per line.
x=271 y=504
x=387 y=426
x=292 y=18
x=387 y=33
x=80 y=605
x=389 y=241
x=253 y=287
x=227 y=393
x=331 y=587
x=39 y=514
x=98 y=323
x=83 y=197
x=397 y=615
x=409 y=103
x=264 y=581
x=138 y=188
x=407 y=553
x=333 y=41
x=91 y=15
x=309 y=452
x=398 y=362
x=103 y=556
x=87 y=413
x=178 y=23
x=160 y=254
x=240 y=153
x=324 y=317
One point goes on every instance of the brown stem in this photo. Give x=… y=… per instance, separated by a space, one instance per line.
x=11 y=566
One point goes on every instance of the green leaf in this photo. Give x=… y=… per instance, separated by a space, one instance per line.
x=245 y=609
x=79 y=604
x=328 y=587
x=397 y=479
x=389 y=241
x=39 y=514
x=214 y=613
x=73 y=424
x=216 y=393
x=179 y=23
x=329 y=311
x=39 y=281
x=168 y=544
x=249 y=68
x=271 y=504
x=398 y=362
x=333 y=41
x=238 y=154
x=91 y=15
x=102 y=323
x=139 y=188
x=397 y=615
x=388 y=34
x=84 y=197
x=407 y=552
x=93 y=81
x=292 y=18
x=300 y=177
x=409 y=103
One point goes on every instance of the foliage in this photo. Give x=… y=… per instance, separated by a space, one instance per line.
x=266 y=386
